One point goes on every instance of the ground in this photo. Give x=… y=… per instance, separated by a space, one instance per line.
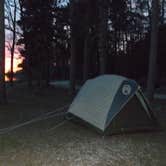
x=70 y=144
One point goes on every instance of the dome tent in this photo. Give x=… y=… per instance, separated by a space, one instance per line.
x=112 y=104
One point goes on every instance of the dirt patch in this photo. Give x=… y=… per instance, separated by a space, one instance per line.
x=71 y=144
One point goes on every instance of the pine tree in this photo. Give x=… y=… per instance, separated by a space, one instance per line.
x=37 y=25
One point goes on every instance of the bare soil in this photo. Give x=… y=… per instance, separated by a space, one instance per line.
x=71 y=144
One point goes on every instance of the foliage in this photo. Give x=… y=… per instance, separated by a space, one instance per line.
x=48 y=40
x=38 y=33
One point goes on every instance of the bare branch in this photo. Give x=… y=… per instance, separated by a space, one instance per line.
x=11 y=29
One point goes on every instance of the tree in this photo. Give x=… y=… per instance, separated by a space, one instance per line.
x=73 y=47
x=86 y=28
x=162 y=17
x=61 y=45
x=89 y=26
x=2 y=54
x=153 y=50
x=102 y=33
x=37 y=25
x=11 y=11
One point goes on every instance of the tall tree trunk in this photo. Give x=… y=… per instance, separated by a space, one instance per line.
x=29 y=69
x=47 y=72
x=162 y=11
x=153 y=50
x=86 y=41
x=72 y=49
x=28 y=57
x=86 y=59
x=13 y=44
x=2 y=54
x=149 y=15
x=102 y=34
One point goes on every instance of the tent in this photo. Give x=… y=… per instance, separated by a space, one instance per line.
x=113 y=104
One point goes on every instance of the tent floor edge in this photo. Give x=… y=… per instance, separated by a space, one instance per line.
x=78 y=121
x=110 y=132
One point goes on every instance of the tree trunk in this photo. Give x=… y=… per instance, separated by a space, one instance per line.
x=162 y=11
x=2 y=54
x=149 y=15
x=47 y=72
x=13 y=44
x=86 y=41
x=28 y=57
x=72 y=49
x=102 y=34
x=86 y=59
x=153 y=50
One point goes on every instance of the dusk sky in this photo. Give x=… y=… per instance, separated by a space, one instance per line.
x=17 y=61
x=17 y=57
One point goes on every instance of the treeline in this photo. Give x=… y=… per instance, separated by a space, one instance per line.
x=45 y=37
x=83 y=38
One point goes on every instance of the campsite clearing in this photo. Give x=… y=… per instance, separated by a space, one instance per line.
x=71 y=144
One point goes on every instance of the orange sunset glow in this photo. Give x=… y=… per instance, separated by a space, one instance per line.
x=17 y=60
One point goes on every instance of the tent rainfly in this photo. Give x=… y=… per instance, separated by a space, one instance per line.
x=113 y=104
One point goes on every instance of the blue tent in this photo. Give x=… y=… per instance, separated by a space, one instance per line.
x=112 y=104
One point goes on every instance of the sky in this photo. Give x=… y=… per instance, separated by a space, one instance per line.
x=17 y=61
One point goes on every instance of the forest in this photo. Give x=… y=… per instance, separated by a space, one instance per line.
x=78 y=40
x=82 y=82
